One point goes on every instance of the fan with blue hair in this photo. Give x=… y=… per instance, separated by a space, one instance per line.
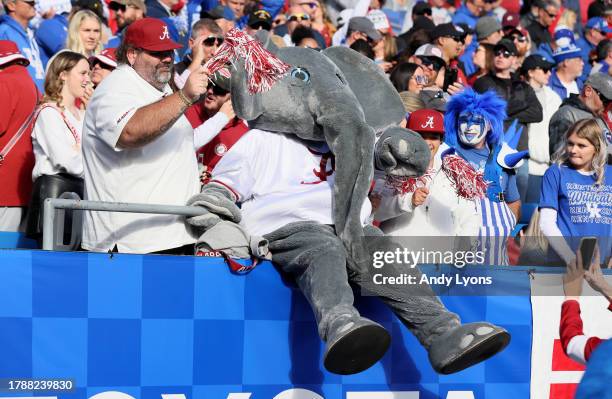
x=474 y=125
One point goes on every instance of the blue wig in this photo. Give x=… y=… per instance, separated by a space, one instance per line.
x=489 y=104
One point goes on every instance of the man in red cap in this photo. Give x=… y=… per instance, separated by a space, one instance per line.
x=16 y=156
x=102 y=65
x=138 y=147
x=430 y=205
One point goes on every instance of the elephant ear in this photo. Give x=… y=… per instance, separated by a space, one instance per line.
x=248 y=106
x=380 y=101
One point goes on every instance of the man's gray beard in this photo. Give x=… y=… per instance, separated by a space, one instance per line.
x=162 y=77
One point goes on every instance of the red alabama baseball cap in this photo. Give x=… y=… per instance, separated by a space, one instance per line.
x=426 y=121
x=10 y=52
x=150 y=34
x=107 y=57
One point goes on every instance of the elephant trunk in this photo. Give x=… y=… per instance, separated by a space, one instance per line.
x=353 y=146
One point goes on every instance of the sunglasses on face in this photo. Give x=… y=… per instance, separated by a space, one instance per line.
x=520 y=39
x=432 y=64
x=160 y=55
x=603 y=99
x=551 y=15
x=212 y=40
x=298 y=17
x=102 y=65
x=503 y=53
x=424 y=12
x=30 y=3
x=458 y=39
x=218 y=91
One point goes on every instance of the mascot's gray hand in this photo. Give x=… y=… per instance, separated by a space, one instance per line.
x=219 y=202
x=401 y=152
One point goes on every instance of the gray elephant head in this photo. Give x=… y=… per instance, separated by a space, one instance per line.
x=337 y=96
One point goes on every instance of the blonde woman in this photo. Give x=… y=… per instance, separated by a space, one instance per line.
x=56 y=137
x=576 y=198
x=85 y=33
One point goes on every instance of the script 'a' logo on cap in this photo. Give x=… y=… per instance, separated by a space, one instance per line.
x=165 y=34
x=428 y=123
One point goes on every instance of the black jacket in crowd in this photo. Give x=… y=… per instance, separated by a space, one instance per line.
x=522 y=101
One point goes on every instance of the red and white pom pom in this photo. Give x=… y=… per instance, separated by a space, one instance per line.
x=262 y=67
x=403 y=185
x=468 y=182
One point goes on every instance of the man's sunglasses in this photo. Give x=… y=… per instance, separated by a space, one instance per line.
x=503 y=53
x=520 y=39
x=298 y=17
x=212 y=40
x=218 y=91
x=458 y=39
x=431 y=63
x=101 y=65
x=545 y=70
x=603 y=98
x=551 y=15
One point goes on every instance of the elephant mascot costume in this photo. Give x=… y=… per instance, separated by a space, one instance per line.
x=340 y=99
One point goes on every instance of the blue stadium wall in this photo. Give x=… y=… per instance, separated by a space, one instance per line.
x=151 y=325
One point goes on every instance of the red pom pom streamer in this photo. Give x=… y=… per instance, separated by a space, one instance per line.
x=468 y=182
x=262 y=67
x=403 y=185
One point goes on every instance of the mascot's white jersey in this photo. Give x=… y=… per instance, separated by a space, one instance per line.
x=279 y=180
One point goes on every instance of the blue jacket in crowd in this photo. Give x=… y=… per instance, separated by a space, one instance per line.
x=464 y=16
x=585 y=49
x=51 y=35
x=11 y=30
x=558 y=87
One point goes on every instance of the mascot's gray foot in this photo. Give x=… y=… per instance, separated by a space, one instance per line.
x=354 y=345
x=466 y=345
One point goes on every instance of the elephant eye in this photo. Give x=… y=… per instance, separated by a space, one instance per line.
x=301 y=74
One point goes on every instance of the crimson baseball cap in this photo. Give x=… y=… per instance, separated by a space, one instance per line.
x=10 y=52
x=426 y=121
x=150 y=34
x=107 y=57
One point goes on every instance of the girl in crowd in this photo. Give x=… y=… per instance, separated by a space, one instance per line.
x=321 y=22
x=408 y=77
x=56 y=137
x=576 y=198
x=483 y=59
x=85 y=33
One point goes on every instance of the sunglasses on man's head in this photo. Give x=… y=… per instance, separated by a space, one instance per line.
x=299 y=17
x=503 y=53
x=212 y=40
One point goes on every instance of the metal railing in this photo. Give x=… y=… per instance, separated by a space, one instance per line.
x=53 y=218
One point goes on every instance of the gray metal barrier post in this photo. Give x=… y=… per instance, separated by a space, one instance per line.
x=51 y=204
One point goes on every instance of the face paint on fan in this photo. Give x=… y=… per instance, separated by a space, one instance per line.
x=472 y=128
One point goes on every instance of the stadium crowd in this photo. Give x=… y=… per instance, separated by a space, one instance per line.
x=109 y=99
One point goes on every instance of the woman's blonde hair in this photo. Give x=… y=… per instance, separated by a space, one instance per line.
x=62 y=62
x=590 y=130
x=568 y=19
x=73 y=42
x=411 y=101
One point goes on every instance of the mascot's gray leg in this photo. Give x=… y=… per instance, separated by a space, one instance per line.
x=452 y=347
x=317 y=259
